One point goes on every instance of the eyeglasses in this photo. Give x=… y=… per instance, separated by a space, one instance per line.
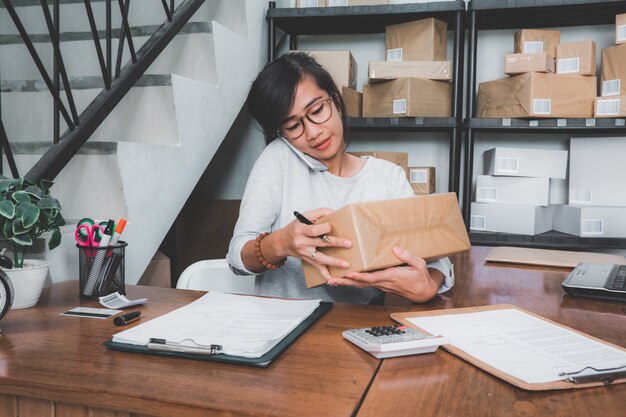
x=318 y=113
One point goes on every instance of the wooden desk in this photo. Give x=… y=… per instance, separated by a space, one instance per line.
x=56 y=366
x=444 y=385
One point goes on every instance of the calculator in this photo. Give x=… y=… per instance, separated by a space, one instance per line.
x=389 y=341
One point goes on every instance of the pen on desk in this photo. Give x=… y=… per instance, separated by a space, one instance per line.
x=127 y=318
x=304 y=220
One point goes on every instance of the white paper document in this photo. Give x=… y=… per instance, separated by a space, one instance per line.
x=521 y=345
x=242 y=325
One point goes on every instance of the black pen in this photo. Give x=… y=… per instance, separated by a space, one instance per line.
x=127 y=318
x=309 y=222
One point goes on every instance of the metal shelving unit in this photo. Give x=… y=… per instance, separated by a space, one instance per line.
x=518 y=14
x=293 y=22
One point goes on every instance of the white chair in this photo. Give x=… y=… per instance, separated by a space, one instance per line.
x=214 y=275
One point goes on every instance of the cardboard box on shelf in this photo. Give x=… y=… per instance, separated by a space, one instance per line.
x=513 y=190
x=537 y=95
x=522 y=162
x=428 y=226
x=532 y=41
x=422 y=180
x=353 y=100
x=511 y=218
x=620 y=28
x=419 y=40
x=590 y=221
x=521 y=63
x=407 y=97
x=596 y=171
x=390 y=70
x=339 y=64
x=613 y=106
x=311 y=3
x=576 y=58
x=399 y=158
x=158 y=273
x=559 y=190
x=613 y=71
x=339 y=3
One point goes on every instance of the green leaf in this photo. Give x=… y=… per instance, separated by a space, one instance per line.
x=23 y=240
x=59 y=220
x=17 y=183
x=21 y=197
x=19 y=228
x=7 y=230
x=30 y=215
x=5 y=184
x=7 y=209
x=34 y=191
x=55 y=238
x=49 y=203
x=46 y=185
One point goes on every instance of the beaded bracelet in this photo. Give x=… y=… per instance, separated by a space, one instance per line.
x=257 y=250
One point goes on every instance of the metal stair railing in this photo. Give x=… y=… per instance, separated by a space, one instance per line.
x=81 y=127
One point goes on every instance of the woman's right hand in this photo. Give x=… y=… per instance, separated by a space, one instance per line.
x=302 y=240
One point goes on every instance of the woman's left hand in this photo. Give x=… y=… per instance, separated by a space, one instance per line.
x=413 y=281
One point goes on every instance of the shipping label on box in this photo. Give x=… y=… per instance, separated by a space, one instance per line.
x=614 y=106
x=533 y=41
x=511 y=218
x=430 y=227
x=353 y=100
x=590 y=221
x=422 y=180
x=521 y=63
x=576 y=58
x=537 y=95
x=389 y=70
x=620 y=28
x=596 y=171
x=513 y=190
x=339 y=64
x=399 y=158
x=407 y=97
x=419 y=40
x=521 y=162
x=613 y=71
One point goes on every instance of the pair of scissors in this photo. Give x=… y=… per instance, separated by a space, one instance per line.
x=89 y=233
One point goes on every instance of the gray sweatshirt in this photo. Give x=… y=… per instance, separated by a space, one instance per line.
x=284 y=180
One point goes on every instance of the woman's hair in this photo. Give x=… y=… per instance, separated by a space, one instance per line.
x=272 y=94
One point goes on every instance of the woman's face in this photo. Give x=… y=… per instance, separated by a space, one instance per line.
x=323 y=141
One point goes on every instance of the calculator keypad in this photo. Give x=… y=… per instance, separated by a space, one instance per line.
x=387 y=334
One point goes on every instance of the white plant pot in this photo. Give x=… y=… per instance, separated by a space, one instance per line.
x=28 y=282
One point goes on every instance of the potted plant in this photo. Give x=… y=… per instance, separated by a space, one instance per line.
x=26 y=211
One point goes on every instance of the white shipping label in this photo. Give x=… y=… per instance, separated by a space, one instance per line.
x=542 y=106
x=337 y=3
x=591 y=227
x=308 y=3
x=580 y=197
x=419 y=176
x=478 y=222
x=394 y=54
x=568 y=65
x=533 y=47
x=486 y=194
x=608 y=107
x=611 y=87
x=621 y=33
x=399 y=106
x=508 y=166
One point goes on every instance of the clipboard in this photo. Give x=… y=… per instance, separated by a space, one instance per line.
x=555 y=385
x=261 y=362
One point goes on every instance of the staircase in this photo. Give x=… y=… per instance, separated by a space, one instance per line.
x=146 y=157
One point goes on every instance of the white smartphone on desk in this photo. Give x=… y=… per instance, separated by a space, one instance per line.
x=390 y=341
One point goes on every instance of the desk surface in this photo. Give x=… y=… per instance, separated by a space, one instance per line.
x=46 y=358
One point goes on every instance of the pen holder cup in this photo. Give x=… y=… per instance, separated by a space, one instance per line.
x=101 y=270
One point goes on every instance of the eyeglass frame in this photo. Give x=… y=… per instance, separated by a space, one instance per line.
x=329 y=100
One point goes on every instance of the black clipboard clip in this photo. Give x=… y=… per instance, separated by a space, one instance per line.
x=591 y=374
x=168 y=346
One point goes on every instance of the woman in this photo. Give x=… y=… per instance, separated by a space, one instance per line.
x=305 y=168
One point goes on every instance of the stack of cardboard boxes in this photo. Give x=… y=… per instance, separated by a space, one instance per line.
x=339 y=3
x=597 y=189
x=414 y=81
x=520 y=191
x=533 y=88
x=612 y=102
